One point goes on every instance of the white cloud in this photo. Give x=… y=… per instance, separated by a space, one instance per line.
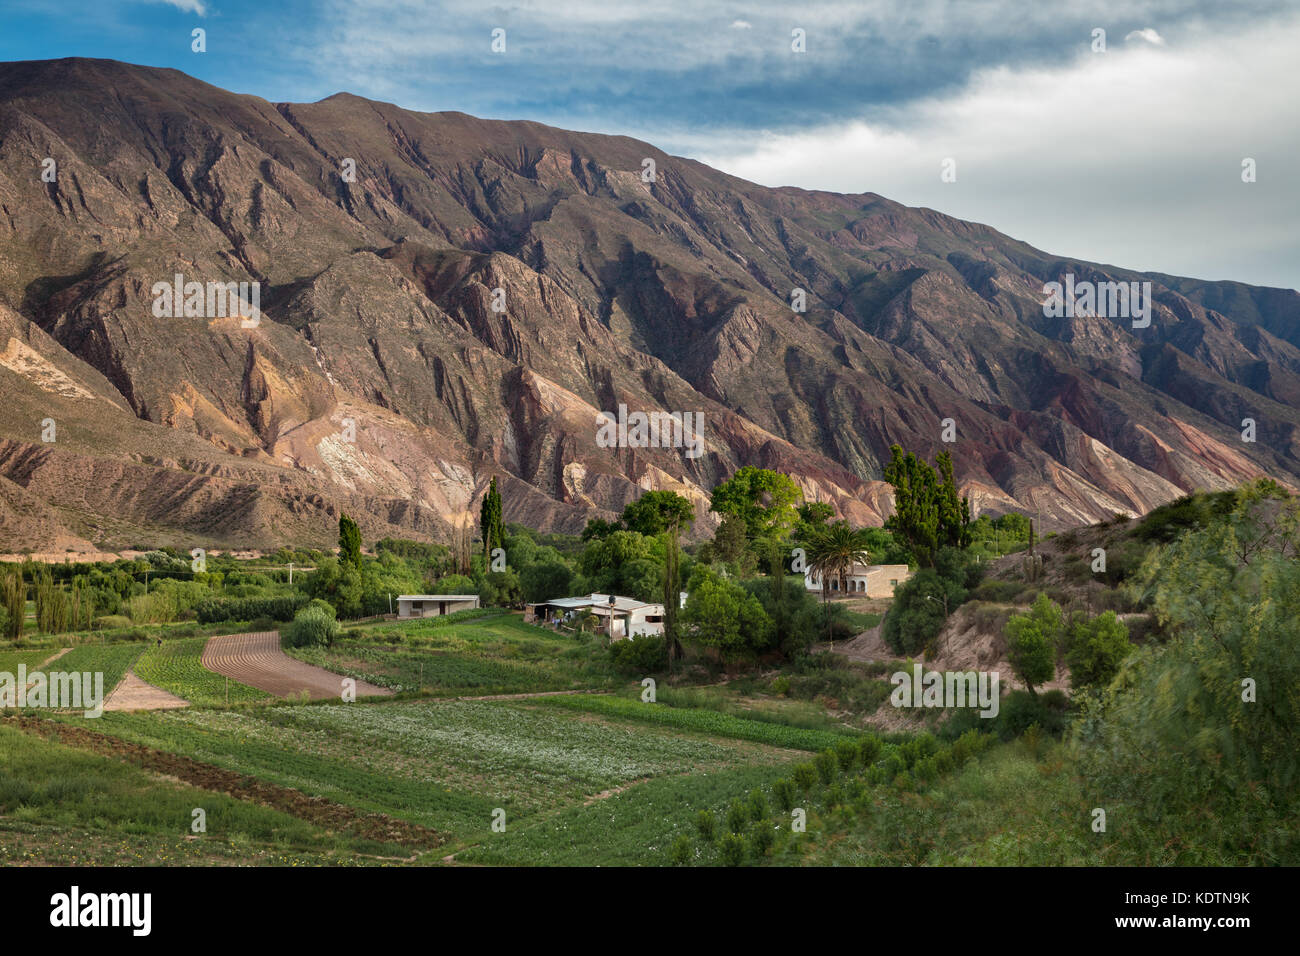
x=741 y=25
x=187 y=6
x=1131 y=157
x=1147 y=34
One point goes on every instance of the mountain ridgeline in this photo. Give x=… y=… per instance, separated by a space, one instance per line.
x=445 y=299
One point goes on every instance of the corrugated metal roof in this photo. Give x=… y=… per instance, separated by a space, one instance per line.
x=598 y=600
x=437 y=597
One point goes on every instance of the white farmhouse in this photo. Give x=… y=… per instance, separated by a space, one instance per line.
x=865 y=580
x=619 y=617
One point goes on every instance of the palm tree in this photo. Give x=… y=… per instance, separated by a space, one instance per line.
x=832 y=552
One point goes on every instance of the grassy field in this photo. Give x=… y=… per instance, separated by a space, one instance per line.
x=62 y=806
x=712 y=722
x=441 y=764
x=112 y=660
x=31 y=659
x=495 y=653
x=177 y=667
x=582 y=779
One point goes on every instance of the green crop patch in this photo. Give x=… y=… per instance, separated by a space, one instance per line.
x=710 y=722
x=63 y=806
x=442 y=764
x=177 y=667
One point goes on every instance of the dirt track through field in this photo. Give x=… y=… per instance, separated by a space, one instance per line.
x=256 y=660
x=134 y=694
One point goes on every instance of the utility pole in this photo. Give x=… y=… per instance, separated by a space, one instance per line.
x=290 y=574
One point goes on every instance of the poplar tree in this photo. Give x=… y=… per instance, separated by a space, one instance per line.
x=493 y=528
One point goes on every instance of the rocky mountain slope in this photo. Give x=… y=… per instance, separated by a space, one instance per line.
x=381 y=380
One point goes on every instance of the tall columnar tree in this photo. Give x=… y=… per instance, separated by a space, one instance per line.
x=664 y=513
x=349 y=542
x=13 y=594
x=928 y=512
x=490 y=523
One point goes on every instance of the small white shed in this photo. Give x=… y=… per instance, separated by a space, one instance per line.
x=434 y=605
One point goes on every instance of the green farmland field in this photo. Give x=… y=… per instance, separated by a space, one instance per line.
x=177 y=667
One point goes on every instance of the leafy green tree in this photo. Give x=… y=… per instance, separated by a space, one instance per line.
x=625 y=562
x=812 y=517
x=500 y=588
x=921 y=604
x=722 y=616
x=764 y=500
x=349 y=542
x=339 y=583
x=600 y=528
x=313 y=626
x=729 y=540
x=1194 y=741
x=491 y=525
x=1097 y=648
x=928 y=513
x=1031 y=642
x=543 y=580
x=455 y=584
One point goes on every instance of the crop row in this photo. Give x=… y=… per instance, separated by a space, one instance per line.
x=702 y=721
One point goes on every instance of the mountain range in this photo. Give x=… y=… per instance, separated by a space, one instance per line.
x=445 y=299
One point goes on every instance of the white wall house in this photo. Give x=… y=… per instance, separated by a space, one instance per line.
x=434 y=605
x=866 y=580
x=619 y=617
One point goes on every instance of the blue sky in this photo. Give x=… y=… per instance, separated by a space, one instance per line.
x=1130 y=156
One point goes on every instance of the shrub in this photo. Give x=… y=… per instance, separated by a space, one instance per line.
x=834 y=796
x=643 y=654
x=846 y=751
x=282 y=608
x=732 y=850
x=995 y=591
x=893 y=764
x=921 y=605
x=757 y=805
x=1097 y=647
x=760 y=841
x=785 y=793
x=805 y=775
x=737 y=816
x=968 y=745
x=868 y=749
x=312 y=627
x=781 y=686
x=680 y=852
x=707 y=824
x=1021 y=710
x=826 y=763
